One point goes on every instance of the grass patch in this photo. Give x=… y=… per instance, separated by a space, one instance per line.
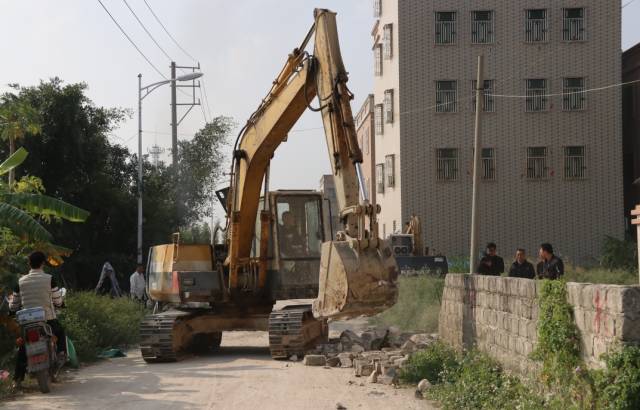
x=429 y=364
x=95 y=323
x=601 y=275
x=475 y=381
x=418 y=305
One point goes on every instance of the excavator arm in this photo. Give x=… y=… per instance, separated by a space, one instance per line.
x=358 y=271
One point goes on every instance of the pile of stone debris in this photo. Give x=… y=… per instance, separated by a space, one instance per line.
x=375 y=354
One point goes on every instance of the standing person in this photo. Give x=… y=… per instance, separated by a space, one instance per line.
x=491 y=263
x=109 y=273
x=137 y=284
x=521 y=267
x=37 y=289
x=550 y=266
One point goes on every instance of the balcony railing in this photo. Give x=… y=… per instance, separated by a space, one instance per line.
x=447 y=169
x=573 y=99
x=445 y=32
x=446 y=100
x=536 y=30
x=482 y=32
x=536 y=100
x=573 y=29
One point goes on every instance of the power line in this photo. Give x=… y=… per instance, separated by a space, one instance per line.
x=167 y=31
x=147 y=31
x=131 y=41
x=606 y=87
x=627 y=3
x=206 y=98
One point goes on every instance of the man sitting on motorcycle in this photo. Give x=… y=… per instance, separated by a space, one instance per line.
x=37 y=289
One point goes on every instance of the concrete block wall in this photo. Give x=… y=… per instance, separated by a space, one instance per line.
x=499 y=316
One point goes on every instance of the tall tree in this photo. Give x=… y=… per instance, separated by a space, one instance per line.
x=17 y=119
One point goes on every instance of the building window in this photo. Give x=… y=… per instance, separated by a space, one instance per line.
x=446 y=96
x=536 y=95
x=488 y=101
x=537 y=163
x=390 y=166
x=447 y=164
x=488 y=160
x=482 y=27
x=573 y=27
x=378 y=119
x=536 y=26
x=388 y=106
x=574 y=163
x=380 y=178
x=573 y=98
x=377 y=8
x=394 y=226
x=445 y=27
x=387 y=41
x=377 y=54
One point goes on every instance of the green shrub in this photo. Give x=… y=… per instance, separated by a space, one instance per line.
x=558 y=338
x=618 y=385
x=418 y=305
x=95 y=323
x=619 y=254
x=430 y=364
x=478 y=382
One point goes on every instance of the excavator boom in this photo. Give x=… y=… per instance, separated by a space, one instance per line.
x=358 y=271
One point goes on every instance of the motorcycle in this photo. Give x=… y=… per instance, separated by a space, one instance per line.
x=43 y=361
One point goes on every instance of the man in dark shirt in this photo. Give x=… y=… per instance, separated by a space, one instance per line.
x=550 y=266
x=491 y=263
x=521 y=267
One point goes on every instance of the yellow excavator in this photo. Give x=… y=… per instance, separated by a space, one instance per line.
x=279 y=244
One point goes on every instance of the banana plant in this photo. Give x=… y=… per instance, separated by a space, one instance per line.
x=16 y=208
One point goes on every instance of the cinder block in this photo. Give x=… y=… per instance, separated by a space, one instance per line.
x=515 y=324
x=578 y=316
x=614 y=299
x=631 y=301
x=513 y=341
x=574 y=291
x=586 y=297
x=599 y=297
x=501 y=284
x=630 y=330
x=600 y=347
x=528 y=289
x=532 y=330
x=587 y=345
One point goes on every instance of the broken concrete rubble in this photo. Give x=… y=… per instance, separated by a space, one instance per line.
x=376 y=354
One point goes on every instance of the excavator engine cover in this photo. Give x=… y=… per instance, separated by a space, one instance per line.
x=355 y=281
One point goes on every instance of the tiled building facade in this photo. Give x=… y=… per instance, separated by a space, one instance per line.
x=552 y=154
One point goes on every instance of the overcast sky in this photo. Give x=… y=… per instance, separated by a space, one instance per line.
x=241 y=45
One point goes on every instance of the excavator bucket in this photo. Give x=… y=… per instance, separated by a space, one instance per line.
x=355 y=281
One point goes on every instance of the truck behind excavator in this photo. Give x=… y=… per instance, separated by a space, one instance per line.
x=278 y=244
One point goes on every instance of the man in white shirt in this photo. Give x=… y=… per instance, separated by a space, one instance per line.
x=137 y=284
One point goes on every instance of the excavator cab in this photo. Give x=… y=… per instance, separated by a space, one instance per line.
x=297 y=233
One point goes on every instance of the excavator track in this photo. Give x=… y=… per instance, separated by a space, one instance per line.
x=293 y=331
x=156 y=336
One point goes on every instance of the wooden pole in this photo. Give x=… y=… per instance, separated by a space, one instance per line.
x=477 y=152
x=635 y=220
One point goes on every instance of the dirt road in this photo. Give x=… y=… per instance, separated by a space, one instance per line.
x=241 y=376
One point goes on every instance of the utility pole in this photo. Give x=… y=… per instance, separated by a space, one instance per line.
x=139 y=252
x=477 y=155
x=174 y=116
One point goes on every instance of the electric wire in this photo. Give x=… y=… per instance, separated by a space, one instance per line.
x=628 y=3
x=206 y=98
x=606 y=87
x=167 y=31
x=147 y=31
x=131 y=41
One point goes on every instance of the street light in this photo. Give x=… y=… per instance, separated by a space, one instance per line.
x=148 y=90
